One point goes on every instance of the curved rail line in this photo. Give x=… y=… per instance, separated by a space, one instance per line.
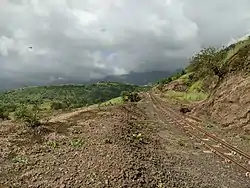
x=205 y=137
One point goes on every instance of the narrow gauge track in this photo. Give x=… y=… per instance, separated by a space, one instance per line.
x=213 y=143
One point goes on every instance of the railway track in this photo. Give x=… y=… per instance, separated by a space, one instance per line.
x=215 y=145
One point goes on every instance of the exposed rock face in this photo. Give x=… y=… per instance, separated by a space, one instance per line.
x=230 y=102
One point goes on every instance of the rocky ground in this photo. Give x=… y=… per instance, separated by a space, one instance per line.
x=119 y=146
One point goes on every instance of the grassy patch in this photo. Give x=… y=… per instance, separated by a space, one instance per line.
x=196 y=87
x=46 y=105
x=76 y=143
x=185 y=77
x=114 y=101
x=236 y=48
x=53 y=144
x=186 y=96
x=20 y=159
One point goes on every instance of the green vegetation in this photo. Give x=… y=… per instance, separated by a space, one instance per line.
x=28 y=104
x=130 y=96
x=234 y=49
x=220 y=62
x=76 y=143
x=3 y=113
x=53 y=144
x=207 y=69
x=114 y=101
x=196 y=86
x=20 y=159
x=186 y=96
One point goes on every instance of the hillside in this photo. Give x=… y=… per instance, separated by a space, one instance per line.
x=217 y=83
x=47 y=98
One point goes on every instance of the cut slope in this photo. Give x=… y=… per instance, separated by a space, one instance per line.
x=222 y=78
x=229 y=101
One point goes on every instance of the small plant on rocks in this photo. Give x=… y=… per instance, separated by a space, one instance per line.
x=76 y=143
x=137 y=136
x=53 y=144
x=20 y=159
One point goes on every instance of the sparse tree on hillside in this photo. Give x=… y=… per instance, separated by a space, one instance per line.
x=209 y=61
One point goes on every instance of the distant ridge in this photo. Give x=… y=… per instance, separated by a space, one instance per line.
x=136 y=78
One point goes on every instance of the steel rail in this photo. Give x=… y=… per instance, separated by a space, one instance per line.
x=200 y=130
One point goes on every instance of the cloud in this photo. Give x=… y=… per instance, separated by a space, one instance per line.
x=85 y=39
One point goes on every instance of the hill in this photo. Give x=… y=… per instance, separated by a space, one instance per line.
x=219 y=80
x=62 y=97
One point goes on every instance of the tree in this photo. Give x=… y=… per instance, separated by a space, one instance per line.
x=124 y=95
x=209 y=61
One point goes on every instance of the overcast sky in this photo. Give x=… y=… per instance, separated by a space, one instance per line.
x=93 y=38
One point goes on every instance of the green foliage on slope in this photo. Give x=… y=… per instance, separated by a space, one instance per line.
x=220 y=62
x=62 y=97
x=208 y=68
x=186 y=96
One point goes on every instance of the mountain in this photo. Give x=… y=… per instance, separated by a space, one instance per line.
x=136 y=78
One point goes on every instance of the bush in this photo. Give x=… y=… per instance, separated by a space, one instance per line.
x=4 y=115
x=131 y=97
x=32 y=121
x=57 y=105
x=21 y=113
x=29 y=117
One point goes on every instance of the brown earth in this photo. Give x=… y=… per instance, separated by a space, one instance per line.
x=229 y=105
x=176 y=85
x=119 y=146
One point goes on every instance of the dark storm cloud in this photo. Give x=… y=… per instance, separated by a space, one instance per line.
x=85 y=39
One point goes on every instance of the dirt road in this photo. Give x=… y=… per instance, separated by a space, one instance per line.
x=120 y=146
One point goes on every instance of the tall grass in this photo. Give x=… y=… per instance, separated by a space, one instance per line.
x=186 y=96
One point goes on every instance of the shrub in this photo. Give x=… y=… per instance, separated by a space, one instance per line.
x=21 y=113
x=57 y=105
x=4 y=114
x=29 y=117
x=131 y=97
